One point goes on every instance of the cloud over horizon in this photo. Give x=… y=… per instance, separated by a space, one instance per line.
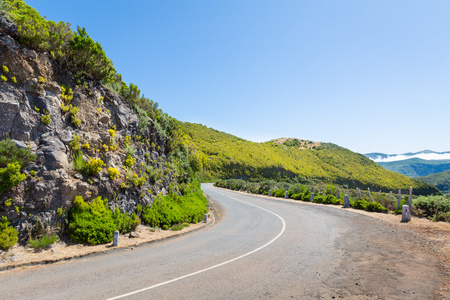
x=425 y=156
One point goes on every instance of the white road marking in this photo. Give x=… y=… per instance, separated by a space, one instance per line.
x=218 y=265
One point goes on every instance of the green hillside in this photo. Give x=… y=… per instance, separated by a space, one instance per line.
x=220 y=155
x=440 y=180
x=415 y=167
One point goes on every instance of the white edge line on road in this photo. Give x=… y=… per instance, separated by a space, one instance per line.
x=215 y=266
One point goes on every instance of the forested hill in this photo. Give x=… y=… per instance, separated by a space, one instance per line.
x=440 y=180
x=220 y=155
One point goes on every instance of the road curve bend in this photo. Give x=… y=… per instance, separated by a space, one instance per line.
x=260 y=248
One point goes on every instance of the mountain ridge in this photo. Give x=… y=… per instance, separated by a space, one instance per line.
x=221 y=155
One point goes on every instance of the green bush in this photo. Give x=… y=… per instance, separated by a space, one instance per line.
x=426 y=207
x=172 y=209
x=91 y=222
x=9 y=236
x=45 y=118
x=44 y=241
x=428 y=204
x=93 y=166
x=129 y=161
x=73 y=116
x=9 y=153
x=113 y=173
x=359 y=204
x=375 y=206
x=66 y=94
x=331 y=199
x=10 y=176
x=278 y=193
x=124 y=222
x=441 y=216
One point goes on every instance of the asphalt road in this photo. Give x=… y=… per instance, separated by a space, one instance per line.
x=260 y=248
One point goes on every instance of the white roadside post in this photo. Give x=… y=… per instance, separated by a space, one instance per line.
x=116 y=239
x=346 y=201
x=205 y=218
x=311 y=198
x=406 y=213
x=270 y=192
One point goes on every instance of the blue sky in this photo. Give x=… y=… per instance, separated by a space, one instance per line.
x=371 y=76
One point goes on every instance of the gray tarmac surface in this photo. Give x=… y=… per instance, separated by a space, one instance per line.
x=260 y=248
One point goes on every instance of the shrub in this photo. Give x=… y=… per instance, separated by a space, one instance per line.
x=126 y=141
x=73 y=116
x=10 y=153
x=8 y=202
x=138 y=181
x=9 y=236
x=41 y=79
x=441 y=216
x=279 y=193
x=66 y=94
x=330 y=199
x=359 y=204
x=375 y=206
x=14 y=80
x=426 y=206
x=65 y=108
x=45 y=118
x=5 y=69
x=3 y=78
x=91 y=222
x=172 y=209
x=112 y=132
x=94 y=166
x=113 y=173
x=129 y=161
x=75 y=143
x=10 y=176
x=86 y=146
x=44 y=241
x=124 y=222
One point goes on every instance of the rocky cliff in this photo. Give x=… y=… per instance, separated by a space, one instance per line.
x=55 y=114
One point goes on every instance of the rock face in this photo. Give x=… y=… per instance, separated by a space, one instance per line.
x=35 y=92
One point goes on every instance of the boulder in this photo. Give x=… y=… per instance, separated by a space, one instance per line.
x=54 y=152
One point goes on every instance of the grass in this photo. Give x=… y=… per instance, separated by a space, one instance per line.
x=44 y=241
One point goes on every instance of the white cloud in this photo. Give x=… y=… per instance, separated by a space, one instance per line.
x=426 y=156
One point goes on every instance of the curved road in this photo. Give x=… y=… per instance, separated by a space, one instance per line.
x=260 y=248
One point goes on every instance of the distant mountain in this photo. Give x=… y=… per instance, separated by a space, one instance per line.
x=413 y=164
x=415 y=167
x=440 y=180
